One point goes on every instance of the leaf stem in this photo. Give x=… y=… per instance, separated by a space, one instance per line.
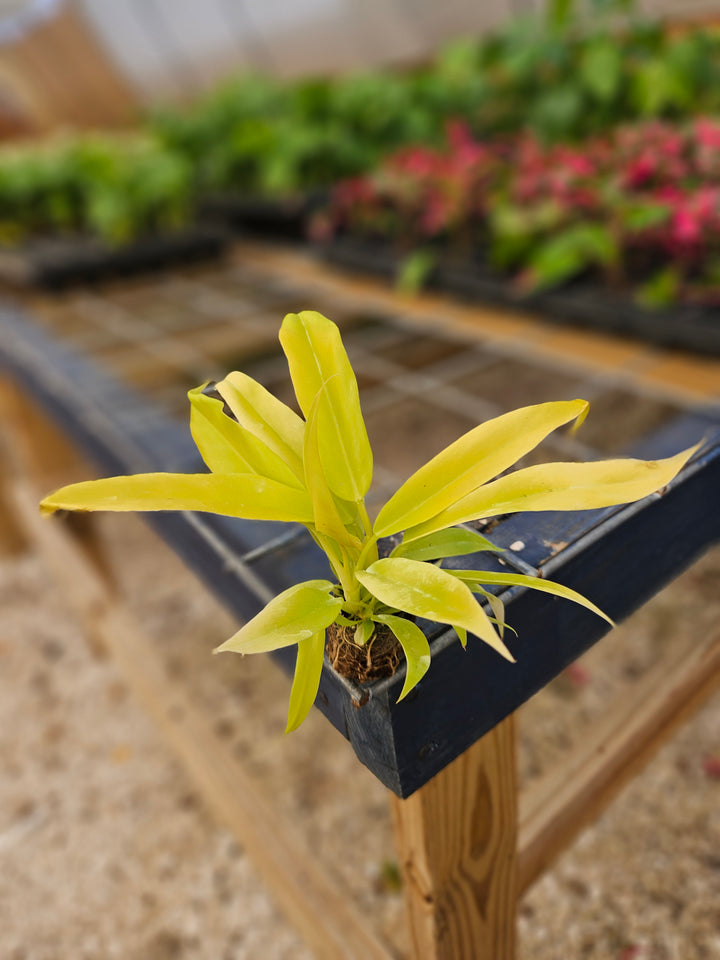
x=362 y=510
x=368 y=554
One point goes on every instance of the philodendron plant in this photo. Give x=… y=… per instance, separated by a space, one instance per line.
x=268 y=463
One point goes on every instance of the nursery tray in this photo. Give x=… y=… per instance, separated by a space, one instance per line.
x=618 y=556
x=60 y=261
x=692 y=327
x=273 y=218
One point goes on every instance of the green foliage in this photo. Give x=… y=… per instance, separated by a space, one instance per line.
x=227 y=134
x=266 y=137
x=566 y=77
x=562 y=75
x=571 y=251
x=660 y=290
x=325 y=472
x=415 y=270
x=117 y=188
x=601 y=69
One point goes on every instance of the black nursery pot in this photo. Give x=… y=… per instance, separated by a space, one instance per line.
x=55 y=262
x=583 y=303
x=272 y=218
x=363 y=256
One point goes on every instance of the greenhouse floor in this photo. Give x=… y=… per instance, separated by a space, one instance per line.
x=107 y=850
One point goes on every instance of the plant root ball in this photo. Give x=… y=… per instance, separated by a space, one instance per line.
x=379 y=657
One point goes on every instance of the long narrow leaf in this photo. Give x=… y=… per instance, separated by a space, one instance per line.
x=496 y=605
x=326 y=513
x=308 y=670
x=415 y=647
x=234 y=495
x=425 y=590
x=490 y=578
x=266 y=417
x=295 y=614
x=454 y=542
x=317 y=359
x=227 y=447
x=475 y=458
x=560 y=486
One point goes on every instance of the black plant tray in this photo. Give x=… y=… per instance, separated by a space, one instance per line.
x=365 y=257
x=580 y=303
x=55 y=262
x=618 y=557
x=274 y=218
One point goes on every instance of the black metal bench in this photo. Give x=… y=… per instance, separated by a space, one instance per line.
x=618 y=556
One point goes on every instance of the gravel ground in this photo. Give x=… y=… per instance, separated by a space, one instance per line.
x=107 y=851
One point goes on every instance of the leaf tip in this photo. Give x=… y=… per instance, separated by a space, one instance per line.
x=581 y=417
x=196 y=391
x=226 y=648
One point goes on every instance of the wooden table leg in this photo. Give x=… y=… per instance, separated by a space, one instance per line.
x=12 y=539
x=39 y=458
x=456 y=840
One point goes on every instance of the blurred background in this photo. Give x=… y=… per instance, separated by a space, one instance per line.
x=501 y=203
x=114 y=56
x=544 y=142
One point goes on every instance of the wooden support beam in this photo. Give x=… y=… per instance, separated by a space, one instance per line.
x=12 y=539
x=62 y=75
x=456 y=839
x=34 y=446
x=35 y=449
x=569 y=798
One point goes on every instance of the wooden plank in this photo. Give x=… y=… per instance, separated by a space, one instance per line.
x=21 y=115
x=105 y=97
x=37 y=453
x=456 y=839
x=304 y=891
x=572 y=796
x=33 y=444
x=66 y=76
x=44 y=105
x=12 y=539
x=36 y=55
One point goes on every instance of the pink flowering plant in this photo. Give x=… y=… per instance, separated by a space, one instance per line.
x=421 y=193
x=638 y=208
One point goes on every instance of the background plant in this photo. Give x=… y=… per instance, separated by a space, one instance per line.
x=269 y=463
x=562 y=77
x=577 y=71
x=638 y=208
x=261 y=136
x=115 y=187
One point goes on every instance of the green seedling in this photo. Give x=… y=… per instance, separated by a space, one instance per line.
x=268 y=463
